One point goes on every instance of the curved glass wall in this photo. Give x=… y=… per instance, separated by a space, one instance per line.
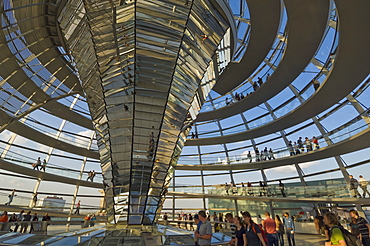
x=41 y=92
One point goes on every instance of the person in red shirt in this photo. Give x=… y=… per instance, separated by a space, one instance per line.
x=315 y=143
x=4 y=217
x=87 y=221
x=270 y=227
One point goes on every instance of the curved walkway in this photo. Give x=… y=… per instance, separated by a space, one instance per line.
x=264 y=19
x=33 y=108
x=5 y=165
x=307 y=22
x=43 y=44
x=351 y=67
x=16 y=77
x=354 y=143
x=346 y=200
x=53 y=213
x=30 y=133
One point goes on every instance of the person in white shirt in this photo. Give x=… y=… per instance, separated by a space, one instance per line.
x=11 y=197
x=363 y=185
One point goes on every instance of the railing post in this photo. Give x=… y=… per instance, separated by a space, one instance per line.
x=79 y=178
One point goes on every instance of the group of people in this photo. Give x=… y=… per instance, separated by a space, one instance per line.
x=24 y=220
x=239 y=96
x=89 y=220
x=244 y=231
x=354 y=184
x=335 y=233
x=266 y=232
x=246 y=189
x=360 y=227
x=262 y=155
x=186 y=218
x=270 y=232
x=257 y=84
x=91 y=176
x=12 y=195
x=294 y=148
x=301 y=145
x=38 y=164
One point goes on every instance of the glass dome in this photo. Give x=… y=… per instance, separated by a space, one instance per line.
x=246 y=82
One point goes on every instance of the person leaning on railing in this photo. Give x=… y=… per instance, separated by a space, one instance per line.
x=4 y=217
x=19 y=218
x=13 y=218
x=35 y=226
x=44 y=225
x=26 y=220
x=46 y=217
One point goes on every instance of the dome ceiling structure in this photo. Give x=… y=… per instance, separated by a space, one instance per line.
x=144 y=88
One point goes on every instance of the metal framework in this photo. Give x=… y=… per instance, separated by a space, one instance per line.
x=123 y=83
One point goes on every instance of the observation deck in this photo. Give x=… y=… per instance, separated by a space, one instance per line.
x=122 y=83
x=307 y=22
x=348 y=137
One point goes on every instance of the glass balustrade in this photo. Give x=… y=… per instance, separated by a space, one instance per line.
x=342 y=133
x=17 y=200
x=23 y=200
x=318 y=191
x=73 y=139
x=286 y=107
x=27 y=162
x=245 y=89
x=336 y=137
x=289 y=106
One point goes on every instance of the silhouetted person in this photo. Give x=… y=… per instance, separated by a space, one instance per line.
x=37 y=164
x=282 y=188
x=259 y=81
x=353 y=185
x=34 y=200
x=316 y=85
x=43 y=167
x=257 y=152
x=271 y=154
x=255 y=86
x=78 y=206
